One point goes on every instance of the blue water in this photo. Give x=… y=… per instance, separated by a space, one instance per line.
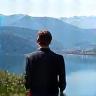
x=12 y=63
x=81 y=75
x=80 y=72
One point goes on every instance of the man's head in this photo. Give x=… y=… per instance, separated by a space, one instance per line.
x=44 y=38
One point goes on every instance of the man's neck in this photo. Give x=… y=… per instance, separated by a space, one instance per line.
x=43 y=47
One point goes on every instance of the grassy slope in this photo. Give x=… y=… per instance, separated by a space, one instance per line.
x=11 y=84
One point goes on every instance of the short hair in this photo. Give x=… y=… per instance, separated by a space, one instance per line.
x=44 y=37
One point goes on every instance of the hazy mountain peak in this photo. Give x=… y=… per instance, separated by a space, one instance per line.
x=85 y=22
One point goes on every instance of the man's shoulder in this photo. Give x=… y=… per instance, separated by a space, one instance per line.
x=58 y=55
x=32 y=54
x=55 y=53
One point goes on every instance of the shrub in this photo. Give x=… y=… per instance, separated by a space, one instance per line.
x=11 y=84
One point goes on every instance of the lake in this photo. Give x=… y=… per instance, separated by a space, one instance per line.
x=81 y=75
x=12 y=63
x=80 y=72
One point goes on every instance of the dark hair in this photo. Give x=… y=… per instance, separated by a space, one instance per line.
x=44 y=37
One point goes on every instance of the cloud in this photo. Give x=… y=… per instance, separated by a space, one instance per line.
x=53 y=8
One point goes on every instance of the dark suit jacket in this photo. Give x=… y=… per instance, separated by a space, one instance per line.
x=45 y=71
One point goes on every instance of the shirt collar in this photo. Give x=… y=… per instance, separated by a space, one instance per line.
x=44 y=49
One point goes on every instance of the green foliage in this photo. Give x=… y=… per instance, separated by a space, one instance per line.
x=11 y=84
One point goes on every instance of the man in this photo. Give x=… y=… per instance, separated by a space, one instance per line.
x=45 y=70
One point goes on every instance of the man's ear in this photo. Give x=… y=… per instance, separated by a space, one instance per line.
x=37 y=40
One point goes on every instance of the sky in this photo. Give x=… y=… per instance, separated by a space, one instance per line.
x=49 y=8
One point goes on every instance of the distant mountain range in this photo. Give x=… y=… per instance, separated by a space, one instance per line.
x=67 y=35
x=16 y=40
x=81 y=21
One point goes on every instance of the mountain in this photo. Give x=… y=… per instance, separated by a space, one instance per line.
x=66 y=34
x=13 y=40
x=16 y=40
x=81 y=21
x=61 y=31
x=7 y=20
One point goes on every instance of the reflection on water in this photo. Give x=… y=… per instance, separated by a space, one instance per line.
x=79 y=62
x=81 y=75
x=80 y=70
x=82 y=83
